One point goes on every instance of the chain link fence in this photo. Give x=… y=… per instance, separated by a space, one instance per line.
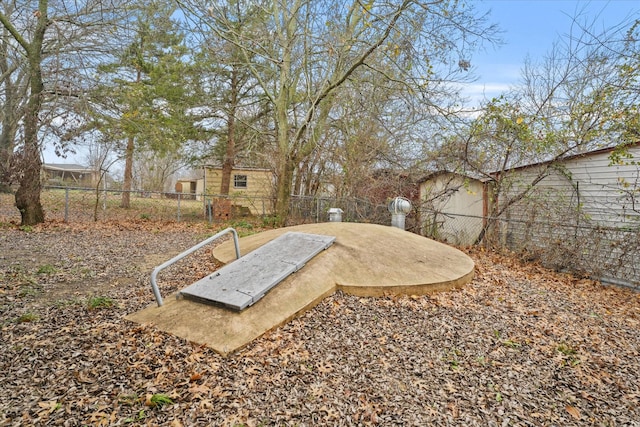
x=87 y=204
x=609 y=252
x=606 y=251
x=74 y=205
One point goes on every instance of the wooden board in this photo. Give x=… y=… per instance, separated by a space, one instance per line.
x=243 y=282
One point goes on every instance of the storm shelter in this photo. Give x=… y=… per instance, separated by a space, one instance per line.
x=246 y=280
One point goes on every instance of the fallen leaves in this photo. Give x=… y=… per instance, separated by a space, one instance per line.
x=573 y=411
x=520 y=345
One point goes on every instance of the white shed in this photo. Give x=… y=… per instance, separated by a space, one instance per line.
x=453 y=207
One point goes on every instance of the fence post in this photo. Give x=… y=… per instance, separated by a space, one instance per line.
x=179 y=206
x=66 y=204
x=104 y=199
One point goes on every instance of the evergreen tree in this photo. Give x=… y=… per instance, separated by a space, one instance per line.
x=145 y=101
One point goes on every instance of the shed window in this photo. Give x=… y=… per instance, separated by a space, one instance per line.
x=239 y=181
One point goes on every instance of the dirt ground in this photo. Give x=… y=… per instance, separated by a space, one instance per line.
x=520 y=345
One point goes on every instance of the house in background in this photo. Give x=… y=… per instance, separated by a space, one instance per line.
x=69 y=175
x=592 y=187
x=453 y=207
x=250 y=191
x=245 y=181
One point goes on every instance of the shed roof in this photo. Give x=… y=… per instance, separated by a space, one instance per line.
x=467 y=175
x=569 y=157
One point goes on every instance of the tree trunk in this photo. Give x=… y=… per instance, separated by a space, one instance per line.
x=230 y=152
x=95 y=206
x=128 y=175
x=7 y=136
x=8 y=127
x=229 y=156
x=283 y=194
x=28 y=193
x=227 y=168
x=300 y=175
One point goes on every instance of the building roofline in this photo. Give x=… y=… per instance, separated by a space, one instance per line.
x=238 y=168
x=462 y=175
x=567 y=158
x=67 y=167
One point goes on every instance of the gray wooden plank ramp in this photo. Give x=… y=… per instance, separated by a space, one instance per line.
x=241 y=283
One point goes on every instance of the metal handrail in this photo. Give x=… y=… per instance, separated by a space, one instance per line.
x=154 y=274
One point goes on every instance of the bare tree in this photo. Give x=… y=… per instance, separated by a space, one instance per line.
x=14 y=86
x=155 y=170
x=305 y=51
x=28 y=194
x=54 y=39
x=574 y=101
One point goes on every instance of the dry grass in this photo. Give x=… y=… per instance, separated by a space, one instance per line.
x=79 y=205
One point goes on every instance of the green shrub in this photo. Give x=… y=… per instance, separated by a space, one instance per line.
x=46 y=269
x=100 y=302
x=28 y=317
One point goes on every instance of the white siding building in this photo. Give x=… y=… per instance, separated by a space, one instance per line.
x=579 y=214
x=452 y=207
x=584 y=215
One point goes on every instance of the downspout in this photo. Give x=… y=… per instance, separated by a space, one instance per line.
x=485 y=203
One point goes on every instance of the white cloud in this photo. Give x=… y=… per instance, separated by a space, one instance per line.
x=477 y=93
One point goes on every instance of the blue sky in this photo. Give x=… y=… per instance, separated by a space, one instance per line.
x=530 y=28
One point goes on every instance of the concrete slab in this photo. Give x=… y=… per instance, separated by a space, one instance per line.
x=245 y=281
x=365 y=260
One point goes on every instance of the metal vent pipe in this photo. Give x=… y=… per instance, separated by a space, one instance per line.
x=399 y=208
x=335 y=215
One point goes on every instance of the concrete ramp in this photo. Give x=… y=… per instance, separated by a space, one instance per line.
x=245 y=281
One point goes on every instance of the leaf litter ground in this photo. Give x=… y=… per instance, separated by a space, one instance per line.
x=520 y=345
